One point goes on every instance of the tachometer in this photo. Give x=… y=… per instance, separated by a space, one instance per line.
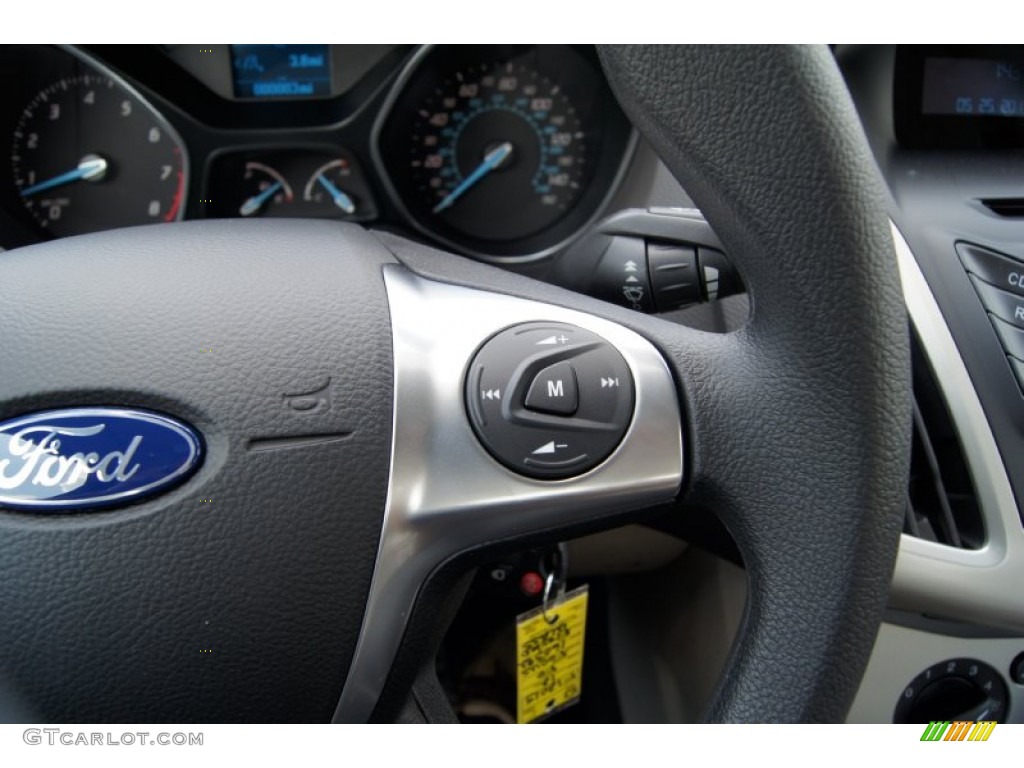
x=89 y=154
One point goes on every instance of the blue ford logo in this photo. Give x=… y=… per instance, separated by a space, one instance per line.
x=73 y=458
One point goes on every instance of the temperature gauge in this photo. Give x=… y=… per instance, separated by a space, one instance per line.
x=263 y=191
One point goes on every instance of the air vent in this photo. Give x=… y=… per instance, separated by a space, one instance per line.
x=941 y=503
x=1011 y=207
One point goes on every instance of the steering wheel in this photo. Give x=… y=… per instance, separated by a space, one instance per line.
x=305 y=570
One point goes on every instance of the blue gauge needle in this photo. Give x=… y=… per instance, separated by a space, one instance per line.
x=89 y=168
x=340 y=199
x=491 y=160
x=254 y=203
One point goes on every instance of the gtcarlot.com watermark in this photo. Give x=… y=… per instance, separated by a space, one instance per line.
x=55 y=737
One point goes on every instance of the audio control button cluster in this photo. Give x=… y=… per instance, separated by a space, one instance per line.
x=549 y=400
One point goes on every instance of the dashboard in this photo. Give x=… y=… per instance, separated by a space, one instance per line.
x=946 y=125
x=502 y=153
x=518 y=155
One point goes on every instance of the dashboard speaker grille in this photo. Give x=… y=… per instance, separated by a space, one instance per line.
x=942 y=505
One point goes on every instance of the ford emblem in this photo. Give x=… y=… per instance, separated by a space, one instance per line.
x=75 y=458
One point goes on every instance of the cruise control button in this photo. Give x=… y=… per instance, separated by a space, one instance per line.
x=998 y=269
x=1002 y=304
x=554 y=390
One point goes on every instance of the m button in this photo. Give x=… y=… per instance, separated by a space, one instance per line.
x=554 y=390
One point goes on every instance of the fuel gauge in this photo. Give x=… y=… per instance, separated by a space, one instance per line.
x=328 y=185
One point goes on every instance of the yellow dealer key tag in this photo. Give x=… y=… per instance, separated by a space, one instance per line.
x=549 y=656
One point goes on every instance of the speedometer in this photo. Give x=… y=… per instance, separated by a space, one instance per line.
x=502 y=150
x=492 y=134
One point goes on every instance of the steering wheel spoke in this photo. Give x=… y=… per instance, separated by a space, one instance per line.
x=448 y=494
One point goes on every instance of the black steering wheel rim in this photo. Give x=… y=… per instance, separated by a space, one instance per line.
x=767 y=141
x=796 y=427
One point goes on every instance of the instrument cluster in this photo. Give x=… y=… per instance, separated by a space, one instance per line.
x=504 y=153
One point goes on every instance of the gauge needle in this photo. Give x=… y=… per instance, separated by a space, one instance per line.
x=89 y=168
x=340 y=199
x=254 y=203
x=491 y=160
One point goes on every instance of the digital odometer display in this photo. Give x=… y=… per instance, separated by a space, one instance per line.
x=281 y=71
x=973 y=87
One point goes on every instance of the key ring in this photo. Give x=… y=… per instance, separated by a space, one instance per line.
x=549 y=583
x=552 y=578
